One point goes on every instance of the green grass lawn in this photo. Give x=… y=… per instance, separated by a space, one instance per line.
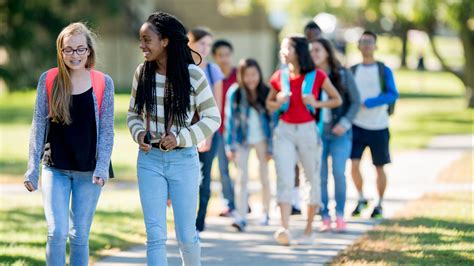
x=118 y=224
x=431 y=104
x=437 y=229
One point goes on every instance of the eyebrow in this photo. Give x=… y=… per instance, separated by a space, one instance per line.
x=79 y=46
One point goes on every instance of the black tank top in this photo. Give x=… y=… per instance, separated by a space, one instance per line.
x=73 y=146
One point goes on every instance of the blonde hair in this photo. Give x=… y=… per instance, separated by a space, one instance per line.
x=61 y=92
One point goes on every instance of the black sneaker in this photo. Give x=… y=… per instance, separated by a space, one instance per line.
x=361 y=205
x=377 y=212
x=295 y=211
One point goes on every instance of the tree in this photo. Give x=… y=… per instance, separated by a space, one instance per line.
x=458 y=14
x=29 y=29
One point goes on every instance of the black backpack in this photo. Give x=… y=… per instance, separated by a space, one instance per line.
x=381 y=69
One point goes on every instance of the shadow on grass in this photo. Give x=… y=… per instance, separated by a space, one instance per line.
x=19 y=260
x=421 y=95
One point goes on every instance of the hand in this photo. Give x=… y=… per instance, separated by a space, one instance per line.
x=338 y=130
x=205 y=145
x=29 y=186
x=309 y=100
x=230 y=155
x=282 y=97
x=141 y=144
x=268 y=157
x=98 y=181
x=168 y=142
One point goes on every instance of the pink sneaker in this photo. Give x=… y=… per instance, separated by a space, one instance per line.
x=340 y=224
x=326 y=226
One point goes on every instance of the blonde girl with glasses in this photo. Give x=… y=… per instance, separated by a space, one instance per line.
x=72 y=137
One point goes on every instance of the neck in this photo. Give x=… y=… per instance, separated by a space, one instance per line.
x=226 y=69
x=161 y=66
x=369 y=59
x=294 y=69
x=78 y=72
x=325 y=67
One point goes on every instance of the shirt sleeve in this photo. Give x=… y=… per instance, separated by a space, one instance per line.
x=390 y=95
x=135 y=121
x=320 y=78
x=217 y=74
x=275 y=80
x=209 y=115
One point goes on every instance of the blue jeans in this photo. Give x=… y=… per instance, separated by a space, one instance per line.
x=60 y=189
x=206 y=159
x=174 y=173
x=226 y=182
x=339 y=148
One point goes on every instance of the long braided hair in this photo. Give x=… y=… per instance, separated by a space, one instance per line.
x=178 y=85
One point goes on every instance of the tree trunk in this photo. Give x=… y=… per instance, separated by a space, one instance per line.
x=404 y=37
x=467 y=38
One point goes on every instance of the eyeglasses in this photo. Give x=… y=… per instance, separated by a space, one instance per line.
x=79 y=51
x=366 y=42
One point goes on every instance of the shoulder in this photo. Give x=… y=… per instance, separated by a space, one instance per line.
x=276 y=75
x=321 y=75
x=195 y=72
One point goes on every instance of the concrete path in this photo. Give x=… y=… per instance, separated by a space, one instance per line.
x=411 y=174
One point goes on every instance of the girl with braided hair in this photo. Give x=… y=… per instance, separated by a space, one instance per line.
x=167 y=90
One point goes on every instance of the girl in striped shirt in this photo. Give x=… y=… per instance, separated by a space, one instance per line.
x=168 y=88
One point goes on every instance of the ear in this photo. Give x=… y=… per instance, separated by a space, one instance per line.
x=165 y=42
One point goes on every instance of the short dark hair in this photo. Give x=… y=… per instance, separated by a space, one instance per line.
x=221 y=43
x=312 y=26
x=370 y=33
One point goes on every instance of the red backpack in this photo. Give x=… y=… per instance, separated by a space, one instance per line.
x=97 y=79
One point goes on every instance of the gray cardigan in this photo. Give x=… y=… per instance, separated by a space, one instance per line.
x=104 y=125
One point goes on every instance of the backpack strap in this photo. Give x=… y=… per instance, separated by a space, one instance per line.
x=98 y=85
x=381 y=70
x=97 y=80
x=307 y=88
x=285 y=87
x=354 y=68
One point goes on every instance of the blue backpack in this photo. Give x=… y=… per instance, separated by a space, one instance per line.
x=306 y=89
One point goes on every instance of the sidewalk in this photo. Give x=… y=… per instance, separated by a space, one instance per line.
x=411 y=174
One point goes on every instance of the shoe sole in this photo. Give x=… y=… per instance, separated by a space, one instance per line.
x=238 y=227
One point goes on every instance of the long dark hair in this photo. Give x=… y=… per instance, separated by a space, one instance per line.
x=262 y=89
x=334 y=65
x=301 y=46
x=177 y=85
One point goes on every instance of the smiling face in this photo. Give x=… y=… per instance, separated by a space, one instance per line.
x=202 y=46
x=288 y=52
x=318 y=53
x=251 y=78
x=151 y=43
x=75 y=51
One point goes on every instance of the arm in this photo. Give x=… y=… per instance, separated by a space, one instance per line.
x=230 y=114
x=37 y=134
x=210 y=118
x=273 y=102
x=354 y=98
x=135 y=121
x=218 y=91
x=334 y=99
x=106 y=132
x=390 y=95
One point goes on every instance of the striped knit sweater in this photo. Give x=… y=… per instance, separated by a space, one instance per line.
x=202 y=100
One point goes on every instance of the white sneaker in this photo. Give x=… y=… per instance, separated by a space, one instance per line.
x=282 y=236
x=306 y=239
